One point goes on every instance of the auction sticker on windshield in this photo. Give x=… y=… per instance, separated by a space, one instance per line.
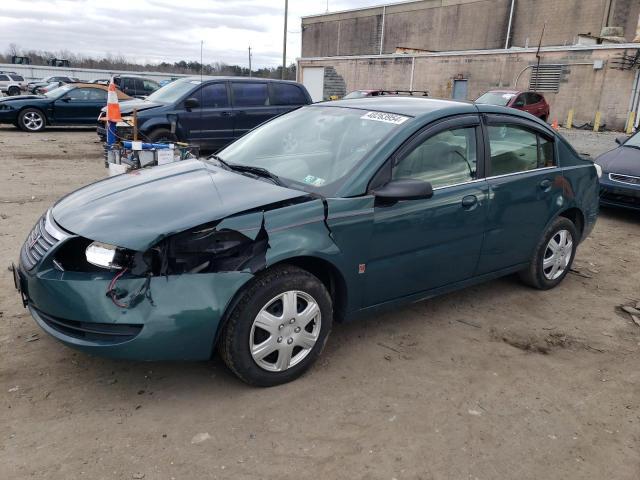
x=385 y=117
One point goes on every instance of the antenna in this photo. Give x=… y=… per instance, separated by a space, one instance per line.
x=535 y=85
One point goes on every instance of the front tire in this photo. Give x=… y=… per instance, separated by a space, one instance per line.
x=278 y=328
x=553 y=256
x=13 y=91
x=31 y=120
x=162 y=135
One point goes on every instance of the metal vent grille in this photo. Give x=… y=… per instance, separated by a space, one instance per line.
x=631 y=180
x=43 y=236
x=545 y=78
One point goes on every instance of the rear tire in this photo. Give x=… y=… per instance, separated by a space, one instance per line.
x=265 y=343
x=162 y=135
x=553 y=256
x=31 y=120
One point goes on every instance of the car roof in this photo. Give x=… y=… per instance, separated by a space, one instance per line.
x=403 y=105
x=121 y=94
x=243 y=79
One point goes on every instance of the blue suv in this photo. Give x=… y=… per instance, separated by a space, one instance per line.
x=211 y=111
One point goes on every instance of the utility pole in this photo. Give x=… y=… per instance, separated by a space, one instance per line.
x=249 y=61
x=284 y=42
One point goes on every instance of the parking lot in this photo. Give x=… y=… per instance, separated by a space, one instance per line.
x=495 y=381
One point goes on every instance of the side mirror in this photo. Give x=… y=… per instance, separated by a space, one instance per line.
x=621 y=140
x=404 y=189
x=191 y=102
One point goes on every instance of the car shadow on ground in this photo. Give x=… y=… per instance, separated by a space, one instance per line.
x=126 y=379
x=621 y=214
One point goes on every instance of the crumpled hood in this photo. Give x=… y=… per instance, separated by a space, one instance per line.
x=623 y=160
x=127 y=106
x=137 y=209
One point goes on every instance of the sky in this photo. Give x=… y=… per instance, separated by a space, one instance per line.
x=152 y=31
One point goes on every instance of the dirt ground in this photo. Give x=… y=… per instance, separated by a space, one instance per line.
x=494 y=382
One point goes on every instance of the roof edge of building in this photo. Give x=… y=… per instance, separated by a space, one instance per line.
x=454 y=53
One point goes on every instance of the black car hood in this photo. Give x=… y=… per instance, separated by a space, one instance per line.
x=127 y=106
x=137 y=209
x=23 y=97
x=623 y=160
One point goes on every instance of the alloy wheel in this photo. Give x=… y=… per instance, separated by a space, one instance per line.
x=285 y=331
x=33 y=121
x=557 y=255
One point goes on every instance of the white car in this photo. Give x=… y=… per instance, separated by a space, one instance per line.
x=11 y=83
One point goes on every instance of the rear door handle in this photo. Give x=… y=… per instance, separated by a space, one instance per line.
x=545 y=185
x=469 y=201
x=226 y=114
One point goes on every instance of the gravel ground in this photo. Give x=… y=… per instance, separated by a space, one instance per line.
x=498 y=381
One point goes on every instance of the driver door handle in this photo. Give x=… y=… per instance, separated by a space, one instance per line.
x=469 y=201
x=545 y=185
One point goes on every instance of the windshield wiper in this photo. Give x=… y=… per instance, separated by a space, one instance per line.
x=220 y=161
x=262 y=172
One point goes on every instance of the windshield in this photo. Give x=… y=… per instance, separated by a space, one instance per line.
x=58 y=92
x=314 y=147
x=633 y=141
x=496 y=98
x=356 y=94
x=173 y=91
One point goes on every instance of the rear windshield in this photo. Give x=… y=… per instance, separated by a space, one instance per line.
x=496 y=98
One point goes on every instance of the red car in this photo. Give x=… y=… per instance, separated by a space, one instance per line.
x=530 y=102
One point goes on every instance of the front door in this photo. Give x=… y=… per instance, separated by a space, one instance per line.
x=210 y=124
x=526 y=190
x=79 y=106
x=419 y=245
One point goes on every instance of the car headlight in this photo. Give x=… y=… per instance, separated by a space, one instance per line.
x=105 y=255
x=598 y=170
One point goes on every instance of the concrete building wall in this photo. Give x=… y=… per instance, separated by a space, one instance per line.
x=445 y=25
x=582 y=88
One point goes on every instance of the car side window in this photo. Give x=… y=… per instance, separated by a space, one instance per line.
x=4 y=78
x=149 y=86
x=446 y=158
x=213 y=95
x=246 y=94
x=285 y=94
x=516 y=149
x=77 y=94
x=96 y=95
x=520 y=101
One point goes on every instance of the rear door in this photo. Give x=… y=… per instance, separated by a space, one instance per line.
x=211 y=124
x=251 y=105
x=526 y=189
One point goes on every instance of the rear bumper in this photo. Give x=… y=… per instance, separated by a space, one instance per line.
x=618 y=194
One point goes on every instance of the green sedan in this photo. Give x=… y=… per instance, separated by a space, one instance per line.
x=325 y=214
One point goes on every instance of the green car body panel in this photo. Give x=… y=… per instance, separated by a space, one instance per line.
x=374 y=255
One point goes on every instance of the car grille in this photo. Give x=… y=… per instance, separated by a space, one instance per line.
x=617 y=177
x=42 y=238
x=105 y=333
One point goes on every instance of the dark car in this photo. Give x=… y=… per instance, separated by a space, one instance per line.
x=137 y=87
x=33 y=86
x=530 y=102
x=72 y=104
x=330 y=212
x=211 y=112
x=620 y=182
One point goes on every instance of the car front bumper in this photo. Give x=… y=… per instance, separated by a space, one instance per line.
x=177 y=320
x=619 y=194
